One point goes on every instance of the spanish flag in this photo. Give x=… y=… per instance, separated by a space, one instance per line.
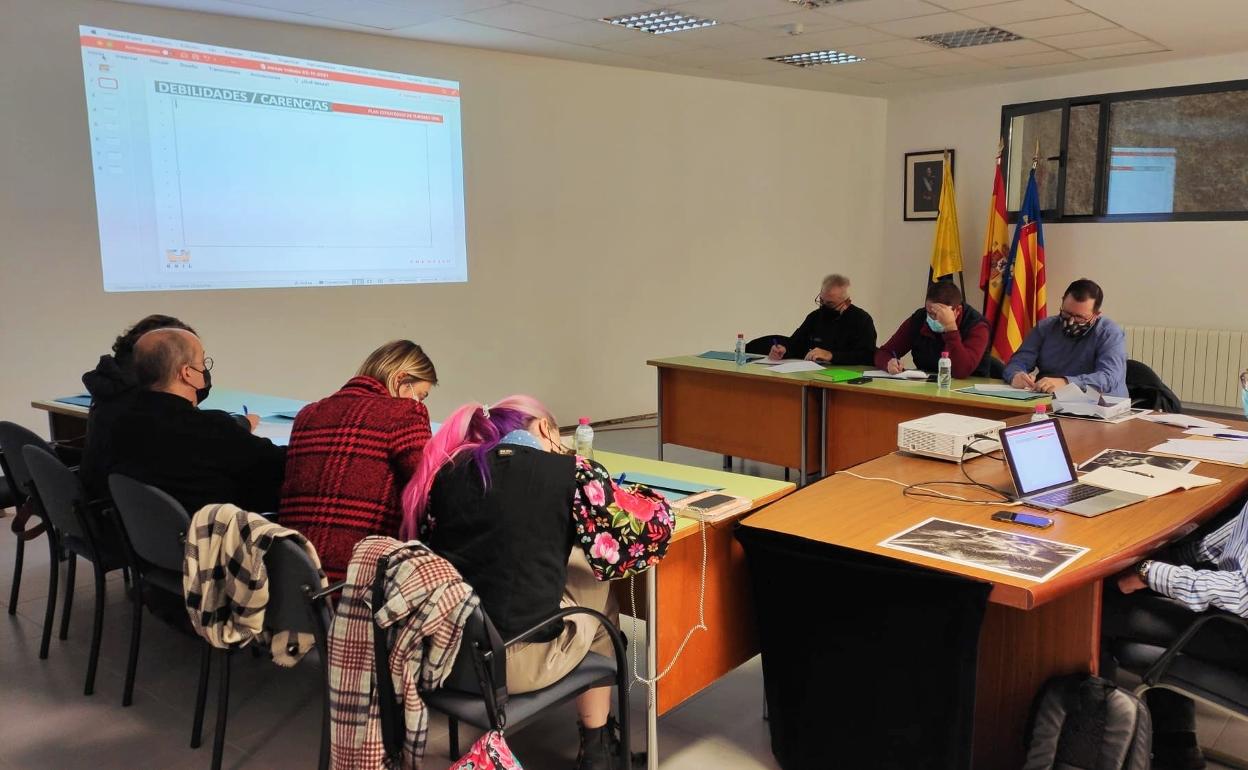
x=1023 y=285
x=947 y=248
x=996 y=250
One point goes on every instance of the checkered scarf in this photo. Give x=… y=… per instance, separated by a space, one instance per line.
x=427 y=604
x=226 y=584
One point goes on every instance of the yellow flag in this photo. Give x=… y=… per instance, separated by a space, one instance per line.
x=947 y=249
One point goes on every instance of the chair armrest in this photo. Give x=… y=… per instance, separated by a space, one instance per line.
x=1162 y=666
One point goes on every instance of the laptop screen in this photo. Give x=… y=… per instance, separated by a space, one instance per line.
x=1037 y=456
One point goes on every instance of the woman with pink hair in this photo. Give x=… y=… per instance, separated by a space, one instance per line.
x=497 y=494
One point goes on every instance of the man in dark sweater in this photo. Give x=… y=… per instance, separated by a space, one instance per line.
x=836 y=332
x=945 y=324
x=199 y=456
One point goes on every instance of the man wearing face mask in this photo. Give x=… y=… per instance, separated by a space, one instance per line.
x=835 y=332
x=199 y=456
x=945 y=324
x=1078 y=346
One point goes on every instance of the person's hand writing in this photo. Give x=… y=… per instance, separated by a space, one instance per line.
x=820 y=355
x=895 y=367
x=1129 y=581
x=776 y=353
x=945 y=316
x=1050 y=384
x=254 y=420
x=1023 y=381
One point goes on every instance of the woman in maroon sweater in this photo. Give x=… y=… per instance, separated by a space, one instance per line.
x=351 y=454
x=945 y=324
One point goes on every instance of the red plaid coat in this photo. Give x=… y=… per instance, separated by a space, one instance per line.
x=350 y=456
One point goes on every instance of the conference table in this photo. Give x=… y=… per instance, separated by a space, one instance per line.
x=1031 y=630
x=802 y=420
x=669 y=601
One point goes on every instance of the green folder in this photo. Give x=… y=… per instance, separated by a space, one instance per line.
x=840 y=375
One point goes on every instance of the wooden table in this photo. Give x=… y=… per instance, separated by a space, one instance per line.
x=800 y=420
x=67 y=423
x=672 y=591
x=1032 y=631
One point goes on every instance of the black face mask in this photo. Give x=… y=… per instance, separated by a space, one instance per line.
x=202 y=393
x=1072 y=328
x=830 y=312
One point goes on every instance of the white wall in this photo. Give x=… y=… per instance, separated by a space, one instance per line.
x=1186 y=274
x=613 y=215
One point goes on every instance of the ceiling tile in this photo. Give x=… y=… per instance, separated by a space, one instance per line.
x=1089 y=39
x=519 y=18
x=925 y=60
x=588 y=33
x=1038 y=59
x=734 y=10
x=1118 y=49
x=877 y=72
x=749 y=67
x=450 y=7
x=291 y=6
x=837 y=37
x=965 y=67
x=957 y=5
x=591 y=9
x=780 y=24
x=1022 y=10
x=1002 y=50
x=875 y=11
x=702 y=57
x=888 y=48
x=718 y=36
x=459 y=32
x=1059 y=25
x=644 y=44
x=928 y=25
x=374 y=14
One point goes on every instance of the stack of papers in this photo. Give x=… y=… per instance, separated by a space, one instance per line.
x=765 y=361
x=797 y=366
x=1218 y=433
x=1002 y=391
x=1214 y=451
x=1071 y=399
x=1182 y=421
x=1146 y=480
x=908 y=374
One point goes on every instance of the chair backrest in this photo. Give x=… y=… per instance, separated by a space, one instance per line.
x=1148 y=390
x=60 y=492
x=155 y=523
x=290 y=573
x=12 y=438
x=479 y=637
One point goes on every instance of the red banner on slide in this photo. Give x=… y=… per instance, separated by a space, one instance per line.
x=165 y=52
x=385 y=112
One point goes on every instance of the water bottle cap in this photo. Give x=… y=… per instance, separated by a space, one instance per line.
x=740 y=336
x=944 y=354
x=1042 y=408
x=583 y=421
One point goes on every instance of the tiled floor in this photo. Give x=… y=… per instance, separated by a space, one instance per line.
x=46 y=722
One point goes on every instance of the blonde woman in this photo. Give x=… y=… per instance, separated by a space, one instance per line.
x=351 y=454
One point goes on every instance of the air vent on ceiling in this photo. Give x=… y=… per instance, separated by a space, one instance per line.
x=659 y=22
x=965 y=38
x=816 y=58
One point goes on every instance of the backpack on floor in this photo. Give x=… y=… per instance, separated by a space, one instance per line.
x=1083 y=722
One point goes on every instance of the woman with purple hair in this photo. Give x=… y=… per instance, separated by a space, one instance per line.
x=496 y=494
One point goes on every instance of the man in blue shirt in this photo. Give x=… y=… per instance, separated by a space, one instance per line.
x=1079 y=346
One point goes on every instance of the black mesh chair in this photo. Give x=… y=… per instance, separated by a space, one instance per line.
x=1198 y=678
x=475 y=692
x=77 y=528
x=296 y=603
x=28 y=523
x=154 y=528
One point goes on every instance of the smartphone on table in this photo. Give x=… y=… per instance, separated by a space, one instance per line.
x=1026 y=519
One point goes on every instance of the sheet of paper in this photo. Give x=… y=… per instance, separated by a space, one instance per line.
x=1073 y=394
x=277 y=431
x=992 y=387
x=797 y=366
x=770 y=362
x=1230 y=452
x=1145 y=480
x=1126 y=458
x=1003 y=391
x=908 y=374
x=1182 y=421
x=1218 y=433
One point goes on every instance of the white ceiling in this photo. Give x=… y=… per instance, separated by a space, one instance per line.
x=1061 y=35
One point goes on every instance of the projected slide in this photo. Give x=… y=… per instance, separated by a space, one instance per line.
x=217 y=168
x=1141 y=180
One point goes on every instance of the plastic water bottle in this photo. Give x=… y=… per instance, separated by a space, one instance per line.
x=583 y=438
x=944 y=372
x=1041 y=413
x=740 y=350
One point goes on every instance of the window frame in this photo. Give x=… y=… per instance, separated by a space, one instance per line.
x=1101 y=186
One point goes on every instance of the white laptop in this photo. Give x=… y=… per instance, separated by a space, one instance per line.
x=1044 y=476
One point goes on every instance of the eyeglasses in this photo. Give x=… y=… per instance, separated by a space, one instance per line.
x=1079 y=319
x=820 y=302
x=207 y=365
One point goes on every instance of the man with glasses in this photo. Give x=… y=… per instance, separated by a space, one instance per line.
x=199 y=456
x=835 y=332
x=1079 y=346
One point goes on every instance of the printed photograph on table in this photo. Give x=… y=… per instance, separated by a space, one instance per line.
x=1006 y=553
x=923 y=173
x=1122 y=458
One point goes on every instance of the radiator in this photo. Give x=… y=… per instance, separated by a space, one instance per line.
x=1201 y=365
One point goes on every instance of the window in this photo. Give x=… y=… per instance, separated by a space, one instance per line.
x=1163 y=154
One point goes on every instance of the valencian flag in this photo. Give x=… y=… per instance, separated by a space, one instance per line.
x=996 y=250
x=1024 y=302
x=947 y=248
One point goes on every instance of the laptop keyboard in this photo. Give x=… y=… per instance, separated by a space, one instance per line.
x=1068 y=495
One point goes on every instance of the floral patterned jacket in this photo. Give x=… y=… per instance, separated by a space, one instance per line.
x=622 y=529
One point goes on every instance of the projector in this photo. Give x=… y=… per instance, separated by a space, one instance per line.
x=948 y=436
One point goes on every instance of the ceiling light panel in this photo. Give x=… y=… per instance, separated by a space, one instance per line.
x=816 y=58
x=967 y=38
x=660 y=22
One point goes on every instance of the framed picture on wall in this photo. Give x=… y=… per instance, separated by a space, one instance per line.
x=924 y=172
